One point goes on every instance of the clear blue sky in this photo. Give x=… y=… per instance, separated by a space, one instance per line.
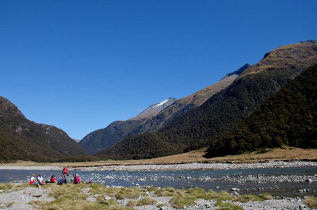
x=80 y=65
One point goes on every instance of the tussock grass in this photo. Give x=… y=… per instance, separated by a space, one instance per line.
x=131 y=203
x=131 y=193
x=160 y=205
x=168 y=191
x=197 y=192
x=102 y=200
x=9 y=187
x=146 y=201
x=73 y=192
x=98 y=188
x=219 y=196
x=75 y=205
x=311 y=202
x=188 y=198
x=22 y=186
x=9 y=204
x=248 y=197
x=71 y=197
x=182 y=200
x=266 y=196
x=227 y=206
x=6 y=186
x=152 y=189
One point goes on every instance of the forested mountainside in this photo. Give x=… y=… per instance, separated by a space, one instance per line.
x=288 y=117
x=154 y=117
x=23 y=139
x=224 y=110
x=101 y=139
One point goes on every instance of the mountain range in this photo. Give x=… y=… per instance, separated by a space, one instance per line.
x=268 y=104
x=23 y=139
x=154 y=117
x=223 y=110
x=288 y=117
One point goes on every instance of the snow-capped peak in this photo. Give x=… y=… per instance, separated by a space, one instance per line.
x=163 y=102
x=155 y=108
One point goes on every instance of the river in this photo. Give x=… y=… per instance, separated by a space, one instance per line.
x=286 y=182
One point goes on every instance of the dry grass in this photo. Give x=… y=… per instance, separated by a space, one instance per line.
x=131 y=203
x=187 y=198
x=287 y=153
x=247 y=197
x=311 y=202
x=168 y=192
x=146 y=201
x=266 y=196
x=4 y=187
x=9 y=187
x=227 y=206
x=131 y=193
x=72 y=197
x=219 y=196
x=182 y=200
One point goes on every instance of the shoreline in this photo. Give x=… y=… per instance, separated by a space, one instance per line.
x=171 y=167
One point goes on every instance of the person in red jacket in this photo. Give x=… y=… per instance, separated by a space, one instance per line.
x=65 y=172
x=76 y=179
x=53 y=179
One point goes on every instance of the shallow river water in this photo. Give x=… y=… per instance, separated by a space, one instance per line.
x=288 y=182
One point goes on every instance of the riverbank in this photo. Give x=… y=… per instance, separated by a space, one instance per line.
x=195 y=160
x=173 y=167
x=97 y=196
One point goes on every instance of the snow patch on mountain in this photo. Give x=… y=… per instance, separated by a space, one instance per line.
x=154 y=109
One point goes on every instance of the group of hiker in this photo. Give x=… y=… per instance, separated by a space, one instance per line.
x=66 y=179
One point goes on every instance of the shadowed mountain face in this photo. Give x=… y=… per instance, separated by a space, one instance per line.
x=223 y=110
x=288 y=117
x=154 y=117
x=24 y=139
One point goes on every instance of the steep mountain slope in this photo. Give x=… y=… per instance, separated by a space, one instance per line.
x=154 y=117
x=224 y=110
x=43 y=140
x=181 y=106
x=288 y=117
x=16 y=147
x=295 y=56
x=154 y=109
x=101 y=139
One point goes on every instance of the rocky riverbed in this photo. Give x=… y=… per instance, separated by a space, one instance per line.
x=174 y=167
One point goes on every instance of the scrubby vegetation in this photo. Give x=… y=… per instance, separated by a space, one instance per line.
x=48 y=142
x=289 y=117
x=193 y=130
